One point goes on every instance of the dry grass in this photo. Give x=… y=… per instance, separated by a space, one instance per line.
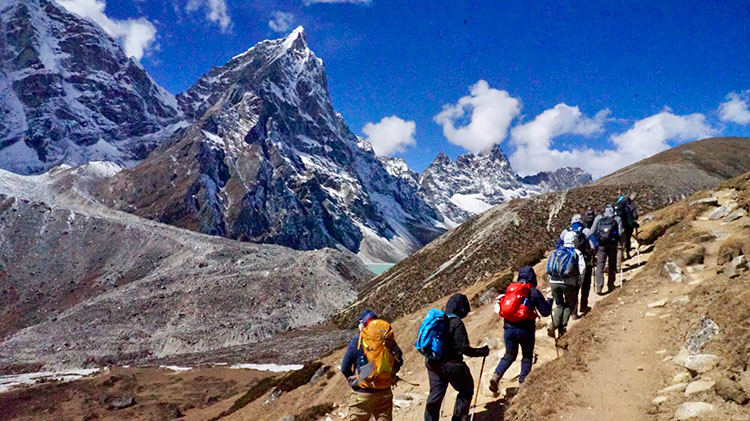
x=314 y=412
x=729 y=249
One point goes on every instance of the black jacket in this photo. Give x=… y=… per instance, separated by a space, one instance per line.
x=456 y=339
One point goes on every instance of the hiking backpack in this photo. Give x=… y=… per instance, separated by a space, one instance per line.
x=606 y=231
x=515 y=304
x=376 y=339
x=627 y=211
x=431 y=335
x=563 y=263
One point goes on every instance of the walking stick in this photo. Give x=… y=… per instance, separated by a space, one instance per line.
x=557 y=350
x=476 y=395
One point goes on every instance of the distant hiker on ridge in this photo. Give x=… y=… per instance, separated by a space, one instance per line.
x=628 y=213
x=606 y=230
x=578 y=226
x=370 y=364
x=448 y=367
x=566 y=268
x=518 y=307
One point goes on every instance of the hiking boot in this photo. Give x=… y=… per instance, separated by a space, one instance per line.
x=494 y=381
x=599 y=291
x=551 y=330
x=575 y=316
x=585 y=310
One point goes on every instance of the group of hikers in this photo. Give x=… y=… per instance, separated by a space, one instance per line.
x=373 y=358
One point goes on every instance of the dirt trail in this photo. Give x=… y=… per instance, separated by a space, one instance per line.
x=622 y=381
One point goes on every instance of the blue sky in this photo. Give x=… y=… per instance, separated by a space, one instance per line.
x=591 y=84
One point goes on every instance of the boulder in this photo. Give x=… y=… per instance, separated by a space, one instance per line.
x=659 y=400
x=692 y=409
x=674 y=272
x=699 y=386
x=659 y=303
x=712 y=201
x=681 y=357
x=735 y=215
x=681 y=377
x=701 y=363
x=731 y=391
x=121 y=402
x=698 y=339
x=718 y=213
x=679 y=387
x=736 y=267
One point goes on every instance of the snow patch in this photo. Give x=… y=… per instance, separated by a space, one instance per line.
x=26 y=379
x=471 y=203
x=274 y=368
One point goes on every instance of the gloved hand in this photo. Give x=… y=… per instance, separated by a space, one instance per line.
x=353 y=381
x=484 y=351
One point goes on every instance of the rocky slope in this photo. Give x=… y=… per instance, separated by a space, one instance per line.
x=68 y=93
x=474 y=183
x=83 y=284
x=270 y=161
x=520 y=231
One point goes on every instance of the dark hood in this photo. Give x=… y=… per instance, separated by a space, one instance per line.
x=458 y=304
x=527 y=274
x=366 y=315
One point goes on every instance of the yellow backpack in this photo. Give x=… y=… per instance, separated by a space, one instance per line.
x=377 y=341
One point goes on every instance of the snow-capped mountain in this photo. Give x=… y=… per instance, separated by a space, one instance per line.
x=472 y=184
x=68 y=93
x=269 y=160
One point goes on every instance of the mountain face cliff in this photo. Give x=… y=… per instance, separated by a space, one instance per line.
x=473 y=184
x=68 y=93
x=269 y=160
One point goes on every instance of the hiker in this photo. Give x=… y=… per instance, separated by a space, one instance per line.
x=606 y=230
x=450 y=367
x=566 y=268
x=578 y=225
x=628 y=213
x=366 y=374
x=588 y=218
x=521 y=332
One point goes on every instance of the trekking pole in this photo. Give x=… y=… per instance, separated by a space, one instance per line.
x=557 y=350
x=476 y=395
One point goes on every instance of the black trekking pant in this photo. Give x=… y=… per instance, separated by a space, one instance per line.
x=606 y=254
x=515 y=336
x=586 y=285
x=564 y=296
x=457 y=374
x=627 y=235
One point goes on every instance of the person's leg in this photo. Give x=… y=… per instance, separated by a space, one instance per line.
x=459 y=376
x=557 y=312
x=360 y=407
x=568 y=296
x=628 y=236
x=527 y=353
x=601 y=259
x=511 y=352
x=383 y=406
x=586 y=287
x=438 y=386
x=612 y=263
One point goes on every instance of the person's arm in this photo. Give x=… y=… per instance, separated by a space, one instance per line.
x=581 y=267
x=396 y=351
x=543 y=306
x=461 y=340
x=350 y=358
x=595 y=224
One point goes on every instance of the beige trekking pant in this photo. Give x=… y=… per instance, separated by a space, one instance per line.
x=378 y=405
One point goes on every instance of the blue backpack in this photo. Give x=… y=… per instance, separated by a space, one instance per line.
x=431 y=336
x=562 y=263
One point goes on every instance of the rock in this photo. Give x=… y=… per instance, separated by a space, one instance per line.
x=406 y=400
x=713 y=201
x=698 y=339
x=682 y=299
x=718 y=213
x=692 y=409
x=739 y=213
x=681 y=377
x=679 y=387
x=487 y=297
x=681 y=357
x=121 y=402
x=731 y=391
x=736 y=267
x=318 y=374
x=701 y=363
x=674 y=272
x=699 y=386
x=659 y=303
x=493 y=343
x=286 y=418
x=658 y=400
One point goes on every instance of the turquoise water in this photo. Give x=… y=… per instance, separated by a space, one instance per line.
x=379 y=268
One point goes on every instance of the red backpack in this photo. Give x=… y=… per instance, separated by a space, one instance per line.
x=512 y=306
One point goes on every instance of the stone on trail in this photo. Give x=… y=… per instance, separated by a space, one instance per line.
x=698 y=339
x=682 y=299
x=731 y=391
x=659 y=303
x=681 y=377
x=681 y=357
x=701 y=363
x=718 y=213
x=736 y=267
x=739 y=213
x=679 y=387
x=674 y=271
x=658 y=400
x=692 y=409
x=699 y=386
x=713 y=201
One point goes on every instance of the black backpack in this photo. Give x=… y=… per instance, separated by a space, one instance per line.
x=606 y=231
x=588 y=218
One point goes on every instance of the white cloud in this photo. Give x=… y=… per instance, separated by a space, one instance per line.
x=136 y=35
x=492 y=112
x=645 y=138
x=309 y=2
x=217 y=11
x=391 y=135
x=736 y=109
x=281 y=21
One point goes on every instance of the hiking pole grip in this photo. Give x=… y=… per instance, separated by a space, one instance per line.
x=476 y=395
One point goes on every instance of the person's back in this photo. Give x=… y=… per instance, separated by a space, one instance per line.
x=565 y=268
x=607 y=228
